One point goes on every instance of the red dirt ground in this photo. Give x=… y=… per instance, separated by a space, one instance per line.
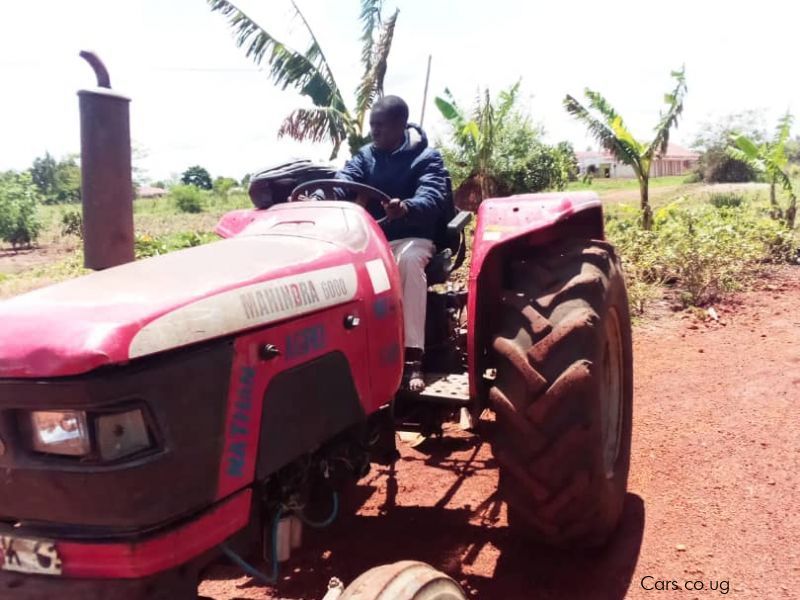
x=713 y=494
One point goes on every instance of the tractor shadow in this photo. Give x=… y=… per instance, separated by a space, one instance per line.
x=487 y=559
x=472 y=544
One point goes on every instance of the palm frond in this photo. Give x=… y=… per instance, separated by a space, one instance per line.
x=669 y=119
x=737 y=153
x=371 y=85
x=507 y=99
x=370 y=18
x=317 y=124
x=308 y=72
x=777 y=149
x=601 y=105
x=749 y=149
x=603 y=133
x=449 y=108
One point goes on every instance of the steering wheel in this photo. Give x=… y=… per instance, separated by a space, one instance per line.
x=327 y=186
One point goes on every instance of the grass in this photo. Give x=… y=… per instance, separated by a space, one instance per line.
x=605 y=185
x=707 y=241
x=159 y=226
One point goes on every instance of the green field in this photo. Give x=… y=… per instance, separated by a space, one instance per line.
x=699 y=239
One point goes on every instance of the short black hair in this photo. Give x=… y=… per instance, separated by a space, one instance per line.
x=394 y=106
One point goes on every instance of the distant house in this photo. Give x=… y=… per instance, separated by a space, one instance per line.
x=677 y=161
x=147 y=191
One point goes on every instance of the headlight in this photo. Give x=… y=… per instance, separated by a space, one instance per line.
x=60 y=432
x=121 y=434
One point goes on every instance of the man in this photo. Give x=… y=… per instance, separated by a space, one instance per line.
x=399 y=163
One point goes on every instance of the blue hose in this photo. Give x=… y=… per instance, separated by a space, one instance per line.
x=331 y=518
x=273 y=578
x=250 y=569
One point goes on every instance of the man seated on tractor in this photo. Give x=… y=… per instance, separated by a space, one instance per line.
x=399 y=163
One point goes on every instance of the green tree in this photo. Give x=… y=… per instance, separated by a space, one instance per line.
x=19 y=222
x=57 y=181
x=607 y=127
x=44 y=173
x=223 y=185
x=771 y=159
x=309 y=73
x=495 y=149
x=198 y=177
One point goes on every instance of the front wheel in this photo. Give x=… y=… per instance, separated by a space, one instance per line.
x=563 y=394
x=405 y=580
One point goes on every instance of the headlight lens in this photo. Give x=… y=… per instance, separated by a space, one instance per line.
x=60 y=432
x=121 y=434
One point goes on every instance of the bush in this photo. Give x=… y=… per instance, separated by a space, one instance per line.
x=72 y=223
x=705 y=251
x=693 y=177
x=188 y=198
x=726 y=200
x=146 y=246
x=19 y=221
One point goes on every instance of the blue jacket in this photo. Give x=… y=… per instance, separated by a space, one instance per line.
x=414 y=173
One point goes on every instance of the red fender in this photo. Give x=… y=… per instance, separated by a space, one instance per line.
x=506 y=228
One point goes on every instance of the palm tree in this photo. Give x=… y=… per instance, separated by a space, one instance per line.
x=310 y=74
x=770 y=158
x=608 y=128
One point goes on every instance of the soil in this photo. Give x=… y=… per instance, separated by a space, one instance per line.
x=14 y=262
x=713 y=492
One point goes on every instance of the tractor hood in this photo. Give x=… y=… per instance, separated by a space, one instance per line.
x=279 y=270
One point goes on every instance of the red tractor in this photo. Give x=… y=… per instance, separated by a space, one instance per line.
x=157 y=414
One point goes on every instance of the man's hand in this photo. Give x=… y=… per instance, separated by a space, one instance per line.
x=395 y=209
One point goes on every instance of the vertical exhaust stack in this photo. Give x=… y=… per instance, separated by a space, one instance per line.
x=106 y=185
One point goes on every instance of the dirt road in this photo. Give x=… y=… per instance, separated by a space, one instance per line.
x=713 y=499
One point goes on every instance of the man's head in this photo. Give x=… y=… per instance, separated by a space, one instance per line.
x=387 y=122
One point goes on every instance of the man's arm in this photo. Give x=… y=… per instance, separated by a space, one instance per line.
x=428 y=200
x=354 y=170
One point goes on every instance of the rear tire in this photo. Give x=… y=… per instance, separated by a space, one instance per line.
x=563 y=394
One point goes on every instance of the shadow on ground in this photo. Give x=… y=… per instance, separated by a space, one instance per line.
x=474 y=546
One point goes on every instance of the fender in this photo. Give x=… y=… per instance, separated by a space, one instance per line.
x=506 y=228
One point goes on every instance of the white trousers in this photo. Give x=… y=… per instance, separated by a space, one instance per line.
x=412 y=256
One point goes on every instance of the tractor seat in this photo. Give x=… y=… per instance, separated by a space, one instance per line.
x=451 y=250
x=440 y=267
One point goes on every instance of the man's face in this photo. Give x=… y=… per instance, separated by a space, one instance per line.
x=387 y=133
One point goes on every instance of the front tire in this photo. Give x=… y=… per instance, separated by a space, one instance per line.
x=563 y=394
x=405 y=580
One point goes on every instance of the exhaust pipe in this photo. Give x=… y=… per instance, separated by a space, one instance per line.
x=106 y=185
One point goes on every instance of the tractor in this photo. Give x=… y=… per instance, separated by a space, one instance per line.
x=158 y=415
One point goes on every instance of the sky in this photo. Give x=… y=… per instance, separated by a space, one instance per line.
x=196 y=98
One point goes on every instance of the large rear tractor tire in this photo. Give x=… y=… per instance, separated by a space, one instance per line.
x=405 y=580
x=563 y=394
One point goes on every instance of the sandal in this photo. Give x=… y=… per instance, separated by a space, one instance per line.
x=413 y=377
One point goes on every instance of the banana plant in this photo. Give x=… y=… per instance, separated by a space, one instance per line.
x=309 y=73
x=608 y=128
x=476 y=134
x=770 y=158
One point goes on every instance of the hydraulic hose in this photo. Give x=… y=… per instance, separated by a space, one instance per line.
x=331 y=518
x=273 y=577
x=250 y=569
